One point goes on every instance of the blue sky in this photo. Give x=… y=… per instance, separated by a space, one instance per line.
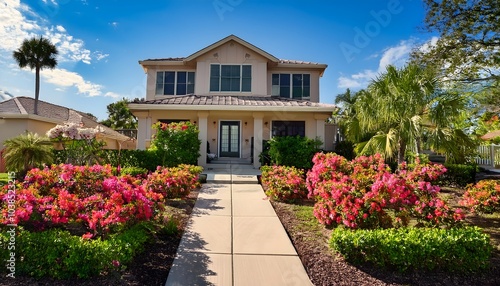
x=101 y=42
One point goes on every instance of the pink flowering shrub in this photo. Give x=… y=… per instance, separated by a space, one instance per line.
x=92 y=196
x=363 y=192
x=483 y=197
x=175 y=182
x=283 y=183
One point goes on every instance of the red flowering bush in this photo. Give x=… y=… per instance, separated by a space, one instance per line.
x=362 y=193
x=482 y=197
x=176 y=182
x=92 y=196
x=284 y=183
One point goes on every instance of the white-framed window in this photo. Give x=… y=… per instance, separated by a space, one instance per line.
x=297 y=86
x=174 y=83
x=237 y=78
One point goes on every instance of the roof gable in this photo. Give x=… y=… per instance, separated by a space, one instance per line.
x=228 y=39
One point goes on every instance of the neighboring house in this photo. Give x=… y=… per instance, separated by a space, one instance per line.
x=17 y=116
x=238 y=95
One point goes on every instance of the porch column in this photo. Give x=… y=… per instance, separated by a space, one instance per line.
x=143 y=129
x=257 y=137
x=320 y=128
x=203 y=136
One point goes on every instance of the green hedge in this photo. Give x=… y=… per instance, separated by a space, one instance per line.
x=58 y=254
x=293 y=151
x=147 y=159
x=457 y=249
x=458 y=175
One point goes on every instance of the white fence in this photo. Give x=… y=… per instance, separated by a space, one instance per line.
x=489 y=155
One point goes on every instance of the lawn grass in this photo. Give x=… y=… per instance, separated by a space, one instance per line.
x=308 y=222
x=4 y=178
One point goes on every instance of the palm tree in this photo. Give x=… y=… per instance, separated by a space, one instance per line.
x=27 y=151
x=36 y=54
x=404 y=105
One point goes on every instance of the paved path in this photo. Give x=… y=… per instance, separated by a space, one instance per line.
x=235 y=238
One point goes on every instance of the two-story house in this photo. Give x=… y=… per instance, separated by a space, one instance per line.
x=238 y=95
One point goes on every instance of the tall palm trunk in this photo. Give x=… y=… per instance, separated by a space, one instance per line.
x=37 y=87
x=401 y=150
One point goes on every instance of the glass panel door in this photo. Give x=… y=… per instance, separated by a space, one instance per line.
x=230 y=139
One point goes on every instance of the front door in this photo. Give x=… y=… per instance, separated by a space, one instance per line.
x=229 y=139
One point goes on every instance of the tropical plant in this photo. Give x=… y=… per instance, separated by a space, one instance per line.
x=27 y=151
x=37 y=54
x=405 y=108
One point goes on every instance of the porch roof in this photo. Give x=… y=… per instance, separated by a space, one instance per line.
x=231 y=102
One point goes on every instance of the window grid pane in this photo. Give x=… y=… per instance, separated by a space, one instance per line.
x=214 y=77
x=234 y=138
x=225 y=138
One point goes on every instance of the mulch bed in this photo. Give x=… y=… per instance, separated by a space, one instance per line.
x=151 y=267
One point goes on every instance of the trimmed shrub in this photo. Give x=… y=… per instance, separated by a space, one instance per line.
x=458 y=175
x=293 y=151
x=58 y=254
x=176 y=143
x=455 y=250
x=483 y=197
x=283 y=183
x=134 y=171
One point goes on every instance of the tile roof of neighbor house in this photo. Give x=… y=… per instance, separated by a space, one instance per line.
x=233 y=100
x=26 y=106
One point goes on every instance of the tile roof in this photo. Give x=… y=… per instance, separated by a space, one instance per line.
x=282 y=61
x=232 y=100
x=26 y=105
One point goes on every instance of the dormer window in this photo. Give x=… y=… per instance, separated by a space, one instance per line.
x=174 y=83
x=296 y=86
x=236 y=78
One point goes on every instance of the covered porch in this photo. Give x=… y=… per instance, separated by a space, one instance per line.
x=236 y=128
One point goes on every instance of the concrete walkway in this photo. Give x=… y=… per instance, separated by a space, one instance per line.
x=234 y=237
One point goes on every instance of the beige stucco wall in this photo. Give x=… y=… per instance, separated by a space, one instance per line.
x=10 y=128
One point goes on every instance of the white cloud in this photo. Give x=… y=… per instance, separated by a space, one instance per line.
x=346 y=82
x=112 y=94
x=397 y=56
x=18 y=22
x=65 y=78
x=427 y=45
x=113 y=24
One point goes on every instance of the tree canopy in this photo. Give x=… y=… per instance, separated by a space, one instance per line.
x=119 y=116
x=36 y=53
x=468 y=48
